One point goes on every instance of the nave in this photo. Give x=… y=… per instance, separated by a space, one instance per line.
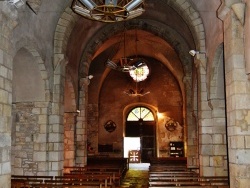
x=118 y=173
x=136 y=176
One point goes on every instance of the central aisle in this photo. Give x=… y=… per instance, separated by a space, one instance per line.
x=136 y=176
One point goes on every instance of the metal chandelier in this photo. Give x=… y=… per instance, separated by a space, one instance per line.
x=108 y=10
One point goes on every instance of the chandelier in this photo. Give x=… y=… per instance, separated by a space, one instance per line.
x=108 y=10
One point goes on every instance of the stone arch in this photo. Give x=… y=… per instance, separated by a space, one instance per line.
x=30 y=112
x=63 y=30
x=69 y=18
x=128 y=108
x=193 y=19
x=187 y=12
x=37 y=71
x=40 y=63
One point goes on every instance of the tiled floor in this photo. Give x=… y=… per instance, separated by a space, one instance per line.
x=137 y=176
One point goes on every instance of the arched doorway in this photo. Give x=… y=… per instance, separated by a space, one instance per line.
x=140 y=127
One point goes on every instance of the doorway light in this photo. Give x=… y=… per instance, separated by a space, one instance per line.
x=108 y=10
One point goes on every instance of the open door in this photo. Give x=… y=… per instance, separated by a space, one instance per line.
x=140 y=123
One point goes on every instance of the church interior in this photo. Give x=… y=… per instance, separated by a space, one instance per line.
x=88 y=82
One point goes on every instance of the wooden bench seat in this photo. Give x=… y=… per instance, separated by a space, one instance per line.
x=167 y=168
x=172 y=174
x=61 y=181
x=112 y=177
x=24 y=183
x=98 y=183
x=117 y=172
x=107 y=179
x=184 y=181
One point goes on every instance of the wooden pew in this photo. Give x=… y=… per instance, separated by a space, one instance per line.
x=117 y=172
x=61 y=181
x=173 y=172
x=18 y=181
x=79 y=182
x=107 y=179
x=172 y=161
x=109 y=175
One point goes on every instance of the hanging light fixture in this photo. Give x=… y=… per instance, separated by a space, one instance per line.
x=110 y=10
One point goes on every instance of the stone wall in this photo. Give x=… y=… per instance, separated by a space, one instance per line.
x=29 y=138
x=166 y=136
x=7 y=23
x=238 y=99
x=69 y=138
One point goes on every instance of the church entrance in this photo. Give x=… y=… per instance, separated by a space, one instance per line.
x=140 y=125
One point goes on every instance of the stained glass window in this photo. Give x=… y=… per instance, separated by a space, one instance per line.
x=140 y=113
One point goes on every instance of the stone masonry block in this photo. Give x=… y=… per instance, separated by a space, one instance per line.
x=243 y=156
x=42 y=166
x=6 y=168
x=54 y=155
x=206 y=139
x=206 y=123
x=39 y=156
x=67 y=16
x=69 y=154
x=218 y=138
x=63 y=22
x=247 y=141
x=208 y=171
x=43 y=128
x=221 y=171
x=206 y=150
x=54 y=119
x=58 y=146
x=220 y=150
x=5 y=140
x=206 y=130
x=205 y=160
x=42 y=119
x=219 y=122
x=41 y=138
x=216 y=161
x=55 y=137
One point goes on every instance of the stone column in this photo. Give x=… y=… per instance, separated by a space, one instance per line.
x=219 y=160
x=192 y=152
x=205 y=129
x=69 y=138
x=238 y=100
x=56 y=129
x=81 y=126
x=7 y=23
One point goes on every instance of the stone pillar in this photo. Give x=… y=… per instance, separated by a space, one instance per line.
x=219 y=159
x=204 y=120
x=7 y=23
x=69 y=138
x=56 y=128
x=238 y=100
x=92 y=128
x=192 y=152
x=81 y=126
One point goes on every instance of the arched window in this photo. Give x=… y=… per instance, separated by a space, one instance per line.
x=140 y=113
